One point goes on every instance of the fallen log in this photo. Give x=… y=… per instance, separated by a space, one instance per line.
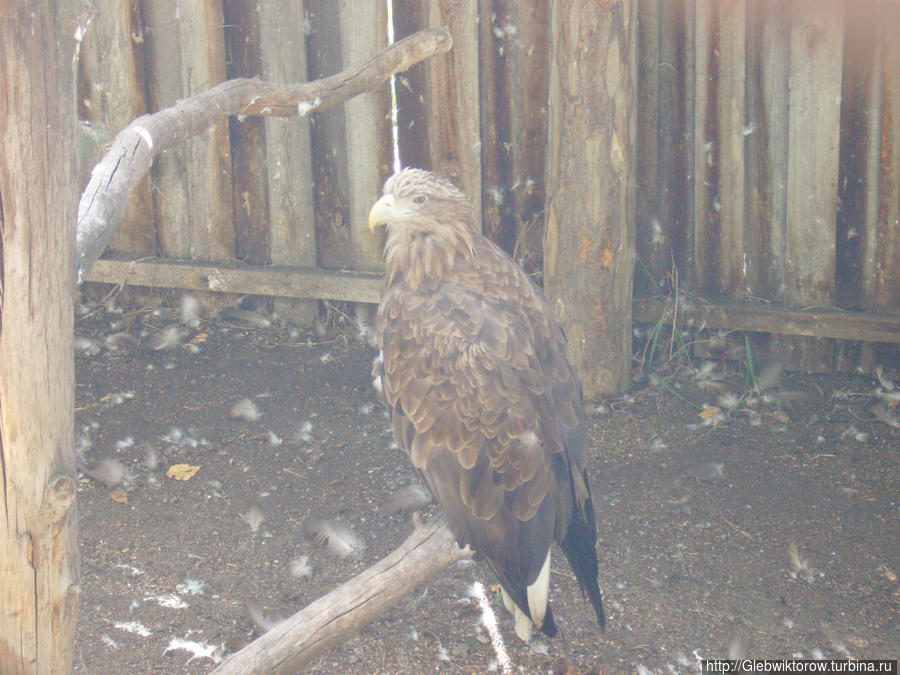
x=128 y=160
x=336 y=617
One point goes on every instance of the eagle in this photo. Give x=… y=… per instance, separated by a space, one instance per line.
x=481 y=395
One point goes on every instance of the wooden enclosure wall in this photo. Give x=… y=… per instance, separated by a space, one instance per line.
x=768 y=158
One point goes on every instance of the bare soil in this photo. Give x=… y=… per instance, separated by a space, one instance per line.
x=772 y=533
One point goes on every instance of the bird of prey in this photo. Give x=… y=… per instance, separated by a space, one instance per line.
x=482 y=396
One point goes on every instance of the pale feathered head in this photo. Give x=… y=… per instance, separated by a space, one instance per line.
x=430 y=223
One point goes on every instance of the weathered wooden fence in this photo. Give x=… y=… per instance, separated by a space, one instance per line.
x=768 y=153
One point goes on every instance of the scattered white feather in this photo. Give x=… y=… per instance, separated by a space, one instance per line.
x=124 y=443
x=325 y=358
x=131 y=570
x=197 y=650
x=886 y=382
x=816 y=654
x=189 y=310
x=364 y=322
x=409 y=498
x=769 y=376
x=658 y=444
x=442 y=654
x=87 y=346
x=247 y=316
x=264 y=621
x=728 y=400
x=858 y=436
x=134 y=627
x=710 y=471
x=169 y=601
x=800 y=566
x=111 y=472
x=245 y=409
x=340 y=539
x=304 y=432
x=108 y=642
x=151 y=457
x=254 y=516
x=366 y=408
x=274 y=439
x=191 y=587
x=787 y=623
x=118 y=341
x=166 y=339
x=300 y=567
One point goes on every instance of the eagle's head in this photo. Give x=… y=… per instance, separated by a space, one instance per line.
x=429 y=223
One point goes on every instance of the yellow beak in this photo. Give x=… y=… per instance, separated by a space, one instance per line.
x=381 y=212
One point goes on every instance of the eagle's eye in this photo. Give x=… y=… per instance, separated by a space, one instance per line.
x=419 y=199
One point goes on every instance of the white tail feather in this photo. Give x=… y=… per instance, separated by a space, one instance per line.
x=538 y=594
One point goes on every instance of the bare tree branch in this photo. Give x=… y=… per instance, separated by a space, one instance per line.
x=336 y=617
x=134 y=148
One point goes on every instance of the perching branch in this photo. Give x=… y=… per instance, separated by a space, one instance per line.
x=336 y=617
x=128 y=160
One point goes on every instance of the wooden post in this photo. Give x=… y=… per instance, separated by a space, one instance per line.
x=589 y=237
x=38 y=195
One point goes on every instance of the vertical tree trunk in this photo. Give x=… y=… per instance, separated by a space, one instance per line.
x=589 y=236
x=38 y=194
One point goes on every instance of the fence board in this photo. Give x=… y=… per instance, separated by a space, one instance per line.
x=440 y=130
x=247 y=135
x=185 y=46
x=768 y=78
x=884 y=291
x=367 y=121
x=653 y=243
x=288 y=156
x=814 y=113
x=111 y=95
x=720 y=40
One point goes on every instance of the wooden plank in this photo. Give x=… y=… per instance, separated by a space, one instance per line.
x=494 y=115
x=528 y=62
x=288 y=152
x=814 y=113
x=329 y=152
x=768 y=80
x=367 y=127
x=111 y=94
x=814 y=108
x=884 y=252
x=448 y=93
x=589 y=242
x=719 y=147
x=277 y=281
x=247 y=135
x=650 y=244
x=409 y=16
x=185 y=45
x=816 y=322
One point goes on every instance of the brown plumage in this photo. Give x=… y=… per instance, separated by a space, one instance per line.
x=482 y=397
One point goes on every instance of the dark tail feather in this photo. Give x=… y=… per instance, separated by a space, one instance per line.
x=579 y=547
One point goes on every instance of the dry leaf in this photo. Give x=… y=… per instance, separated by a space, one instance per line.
x=780 y=416
x=706 y=413
x=182 y=471
x=888 y=573
x=119 y=495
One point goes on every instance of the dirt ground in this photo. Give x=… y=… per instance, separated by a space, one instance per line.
x=770 y=530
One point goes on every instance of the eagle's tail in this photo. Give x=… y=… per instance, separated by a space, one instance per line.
x=579 y=547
